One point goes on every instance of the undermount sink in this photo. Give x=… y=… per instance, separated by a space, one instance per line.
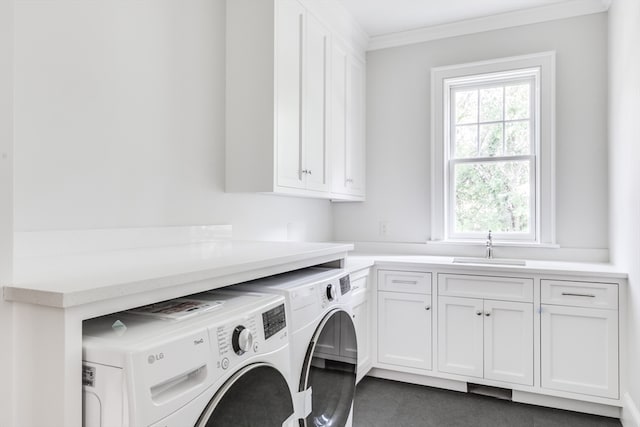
x=493 y=261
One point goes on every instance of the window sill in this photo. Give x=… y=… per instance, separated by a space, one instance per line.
x=496 y=243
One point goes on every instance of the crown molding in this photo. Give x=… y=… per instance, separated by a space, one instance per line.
x=333 y=14
x=567 y=9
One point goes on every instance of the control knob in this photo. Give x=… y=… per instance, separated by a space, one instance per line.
x=242 y=340
x=331 y=292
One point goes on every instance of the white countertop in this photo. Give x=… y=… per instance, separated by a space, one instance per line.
x=71 y=280
x=356 y=261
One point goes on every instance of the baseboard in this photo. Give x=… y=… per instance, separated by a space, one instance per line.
x=566 y=404
x=418 y=379
x=630 y=413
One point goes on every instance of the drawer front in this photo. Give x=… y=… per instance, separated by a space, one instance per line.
x=489 y=287
x=359 y=279
x=359 y=296
x=579 y=294
x=412 y=282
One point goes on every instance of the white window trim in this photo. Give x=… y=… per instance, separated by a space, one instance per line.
x=545 y=157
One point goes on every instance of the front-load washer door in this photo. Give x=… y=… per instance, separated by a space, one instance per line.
x=257 y=395
x=330 y=371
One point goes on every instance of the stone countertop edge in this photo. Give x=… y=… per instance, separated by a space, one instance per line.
x=356 y=261
x=85 y=289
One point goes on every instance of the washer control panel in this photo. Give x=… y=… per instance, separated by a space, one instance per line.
x=259 y=331
x=241 y=340
x=274 y=321
x=345 y=284
x=237 y=337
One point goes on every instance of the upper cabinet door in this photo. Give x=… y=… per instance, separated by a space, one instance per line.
x=356 y=128
x=289 y=27
x=340 y=70
x=315 y=111
x=348 y=115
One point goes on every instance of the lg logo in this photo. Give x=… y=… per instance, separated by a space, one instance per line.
x=155 y=357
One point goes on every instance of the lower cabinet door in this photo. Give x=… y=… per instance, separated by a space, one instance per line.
x=362 y=325
x=508 y=341
x=329 y=341
x=579 y=349
x=460 y=331
x=404 y=329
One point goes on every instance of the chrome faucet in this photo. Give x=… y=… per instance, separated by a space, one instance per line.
x=489 y=246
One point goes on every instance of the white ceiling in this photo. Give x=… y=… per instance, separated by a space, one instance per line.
x=378 y=17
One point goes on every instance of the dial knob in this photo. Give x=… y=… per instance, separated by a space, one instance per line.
x=242 y=340
x=331 y=292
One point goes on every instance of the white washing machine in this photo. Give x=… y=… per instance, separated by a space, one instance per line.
x=323 y=342
x=216 y=359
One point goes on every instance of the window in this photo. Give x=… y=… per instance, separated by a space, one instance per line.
x=493 y=150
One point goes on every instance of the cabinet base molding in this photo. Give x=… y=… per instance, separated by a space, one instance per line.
x=363 y=371
x=418 y=379
x=566 y=404
x=630 y=412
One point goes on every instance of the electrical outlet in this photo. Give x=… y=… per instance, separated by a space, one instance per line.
x=384 y=228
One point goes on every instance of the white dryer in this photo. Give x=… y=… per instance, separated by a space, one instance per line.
x=323 y=342
x=216 y=359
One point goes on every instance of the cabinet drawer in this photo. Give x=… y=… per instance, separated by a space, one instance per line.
x=579 y=294
x=489 y=287
x=359 y=279
x=359 y=296
x=413 y=282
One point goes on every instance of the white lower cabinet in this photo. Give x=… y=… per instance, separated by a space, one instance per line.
x=329 y=342
x=508 y=342
x=362 y=323
x=549 y=335
x=486 y=339
x=579 y=344
x=404 y=329
x=460 y=341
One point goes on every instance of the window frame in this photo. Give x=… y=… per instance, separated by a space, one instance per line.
x=540 y=67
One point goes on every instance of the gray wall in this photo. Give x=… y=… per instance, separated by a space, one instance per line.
x=120 y=122
x=6 y=206
x=398 y=130
x=624 y=137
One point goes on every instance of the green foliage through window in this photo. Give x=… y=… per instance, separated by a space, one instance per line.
x=492 y=157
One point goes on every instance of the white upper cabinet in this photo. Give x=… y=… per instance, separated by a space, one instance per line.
x=302 y=72
x=279 y=98
x=289 y=39
x=316 y=106
x=348 y=134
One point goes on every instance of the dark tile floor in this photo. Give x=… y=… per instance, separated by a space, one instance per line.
x=382 y=403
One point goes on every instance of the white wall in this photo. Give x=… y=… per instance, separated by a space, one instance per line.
x=398 y=130
x=120 y=122
x=624 y=137
x=6 y=207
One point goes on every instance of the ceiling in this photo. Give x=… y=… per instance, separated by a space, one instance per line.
x=379 y=17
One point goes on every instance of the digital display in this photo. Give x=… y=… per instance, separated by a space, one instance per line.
x=274 y=321
x=345 y=284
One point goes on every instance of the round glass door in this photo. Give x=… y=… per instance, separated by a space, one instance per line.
x=257 y=395
x=330 y=371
